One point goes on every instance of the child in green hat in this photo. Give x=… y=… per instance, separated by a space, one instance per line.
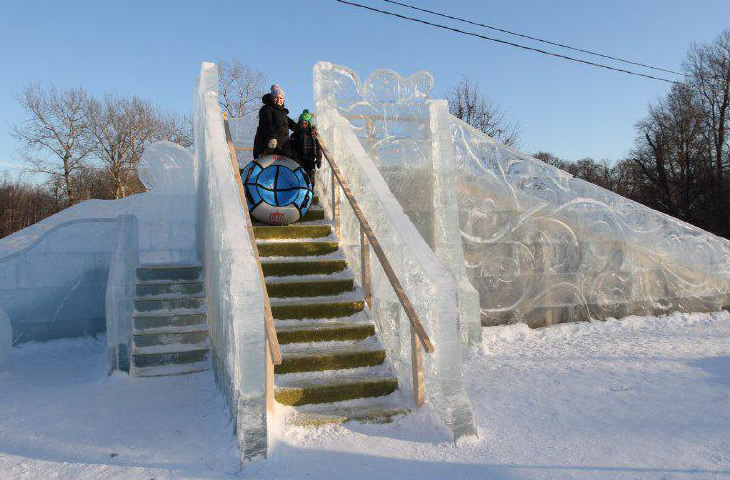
x=305 y=145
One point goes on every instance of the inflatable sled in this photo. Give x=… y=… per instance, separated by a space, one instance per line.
x=278 y=190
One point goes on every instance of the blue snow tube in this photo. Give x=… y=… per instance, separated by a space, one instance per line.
x=278 y=190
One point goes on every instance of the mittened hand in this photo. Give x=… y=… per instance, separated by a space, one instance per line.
x=272 y=144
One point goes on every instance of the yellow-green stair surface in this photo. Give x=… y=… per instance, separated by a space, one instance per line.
x=334 y=367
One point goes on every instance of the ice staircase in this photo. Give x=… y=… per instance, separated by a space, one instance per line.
x=170 y=329
x=333 y=368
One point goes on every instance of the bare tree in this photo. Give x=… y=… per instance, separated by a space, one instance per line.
x=708 y=68
x=240 y=87
x=467 y=103
x=119 y=129
x=52 y=135
x=672 y=153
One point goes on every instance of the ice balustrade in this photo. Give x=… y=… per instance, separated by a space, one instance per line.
x=120 y=291
x=539 y=245
x=392 y=119
x=233 y=289
x=430 y=288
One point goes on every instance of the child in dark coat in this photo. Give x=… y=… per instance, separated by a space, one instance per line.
x=305 y=145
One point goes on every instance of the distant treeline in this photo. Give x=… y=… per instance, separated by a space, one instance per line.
x=680 y=162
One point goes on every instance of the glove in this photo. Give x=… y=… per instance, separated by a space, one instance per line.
x=272 y=144
x=319 y=163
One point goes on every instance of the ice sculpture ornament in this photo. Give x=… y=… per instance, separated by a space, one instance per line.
x=6 y=338
x=278 y=190
x=167 y=168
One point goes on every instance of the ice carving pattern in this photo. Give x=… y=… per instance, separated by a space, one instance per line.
x=538 y=245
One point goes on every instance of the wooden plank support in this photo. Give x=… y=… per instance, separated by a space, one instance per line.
x=365 y=267
x=417 y=369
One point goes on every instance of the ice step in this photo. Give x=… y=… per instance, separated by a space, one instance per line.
x=314 y=357
x=169 y=354
x=146 y=322
x=176 y=289
x=360 y=413
x=333 y=388
x=317 y=331
x=166 y=370
x=303 y=267
x=169 y=272
x=309 y=287
x=142 y=305
x=295 y=230
x=147 y=339
x=296 y=249
x=317 y=307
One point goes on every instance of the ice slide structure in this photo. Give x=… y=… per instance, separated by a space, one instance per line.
x=475 y=232
x=538 y=245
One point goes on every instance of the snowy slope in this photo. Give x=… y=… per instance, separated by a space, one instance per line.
x=641 y=398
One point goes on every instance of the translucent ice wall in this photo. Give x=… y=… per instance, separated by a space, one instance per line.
x=234 y=293
x=544 y=247
x=120 y=291
x=430 y=287
x=538 y=245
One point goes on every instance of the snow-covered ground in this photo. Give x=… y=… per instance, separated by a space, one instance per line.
x=62 y=416
x=637 y=398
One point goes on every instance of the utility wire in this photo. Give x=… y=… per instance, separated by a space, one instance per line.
x=522 y=35
x=505 y=42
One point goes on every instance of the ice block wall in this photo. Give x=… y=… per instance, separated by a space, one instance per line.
x=538 y=245
x=233 y=289
x=430 y=287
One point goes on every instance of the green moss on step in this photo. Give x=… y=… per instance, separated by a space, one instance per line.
x=291 y=231
x=317 y=310
x=309 y=288
x=315 y=267
x=313 y=215
x=328 y=332
x=330 y=361
x=335 y=393
x=296 y=249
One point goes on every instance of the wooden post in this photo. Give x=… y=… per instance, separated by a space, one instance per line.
x=417 y=368
x=269 y=380
x=336 y=204
x=365 y=266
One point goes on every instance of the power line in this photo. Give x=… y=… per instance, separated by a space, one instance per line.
x=522 y=35
x=505 y=42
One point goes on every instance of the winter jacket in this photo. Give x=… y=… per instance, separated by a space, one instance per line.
x=306 y=148
x=274 y=122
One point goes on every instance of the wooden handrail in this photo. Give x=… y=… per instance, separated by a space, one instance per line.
x=271 y=337
x=405 y=302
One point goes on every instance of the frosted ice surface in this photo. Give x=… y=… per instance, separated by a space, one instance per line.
x=6 y=338
x=234 y=292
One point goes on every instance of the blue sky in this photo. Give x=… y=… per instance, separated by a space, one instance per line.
x=153 y=49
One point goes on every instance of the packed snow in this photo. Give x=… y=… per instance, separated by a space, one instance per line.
x=642 y=397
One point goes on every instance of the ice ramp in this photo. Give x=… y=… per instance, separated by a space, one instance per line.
x=538 y=245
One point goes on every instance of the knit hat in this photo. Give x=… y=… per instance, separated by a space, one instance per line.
x=306 y=116
x=276 y=90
